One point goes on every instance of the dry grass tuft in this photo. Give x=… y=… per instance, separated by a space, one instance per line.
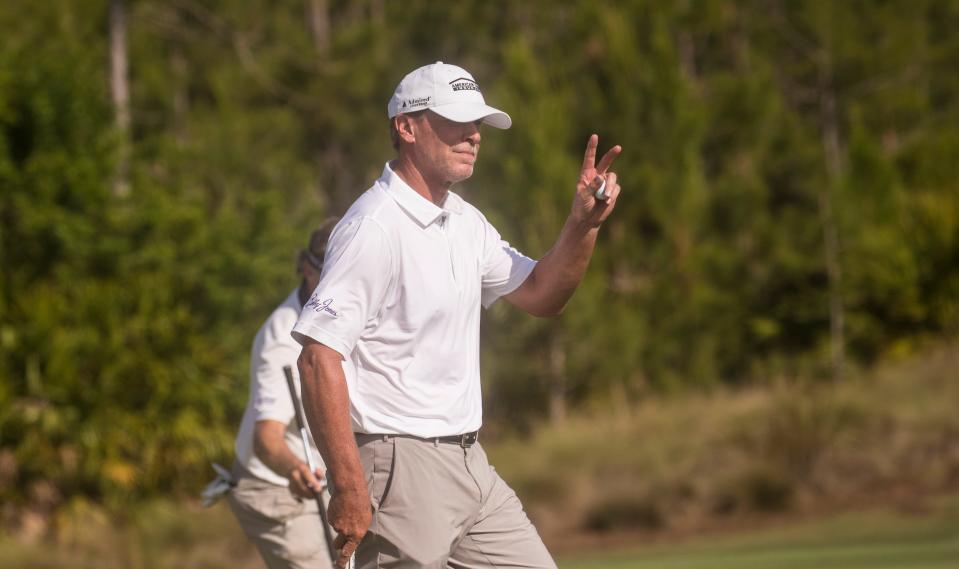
x=684 y=463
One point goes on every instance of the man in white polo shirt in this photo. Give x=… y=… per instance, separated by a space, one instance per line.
x=273 y=496
x=390 y=359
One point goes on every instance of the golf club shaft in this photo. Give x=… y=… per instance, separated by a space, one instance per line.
x=304 y=437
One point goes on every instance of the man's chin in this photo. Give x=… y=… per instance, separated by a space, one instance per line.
x=459 y=175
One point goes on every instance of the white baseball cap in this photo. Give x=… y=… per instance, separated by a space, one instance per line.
x=448 y=91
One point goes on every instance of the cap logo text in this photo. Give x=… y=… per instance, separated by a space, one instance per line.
x=419 y=102
x=464 y=84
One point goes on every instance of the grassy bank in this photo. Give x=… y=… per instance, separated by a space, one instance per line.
x=874 y=540
x=684 y=464
x=163 y=536
x=159 y=535
x=611 y=487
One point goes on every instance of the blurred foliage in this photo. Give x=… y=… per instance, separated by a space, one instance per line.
x=125 y=320
x=682 y=465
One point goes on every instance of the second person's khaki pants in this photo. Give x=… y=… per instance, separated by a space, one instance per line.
x=286 y=530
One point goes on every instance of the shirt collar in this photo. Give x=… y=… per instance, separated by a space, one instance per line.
x=419 y=208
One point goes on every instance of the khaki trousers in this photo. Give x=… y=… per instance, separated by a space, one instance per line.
x=286 y=530
x=438 y=505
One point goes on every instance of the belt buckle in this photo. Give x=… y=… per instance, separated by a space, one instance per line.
x=468 y=440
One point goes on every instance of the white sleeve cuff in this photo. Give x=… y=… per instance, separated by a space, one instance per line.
x=516 y=278
x=303 y=331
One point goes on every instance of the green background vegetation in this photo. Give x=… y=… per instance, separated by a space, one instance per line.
x=790 y=218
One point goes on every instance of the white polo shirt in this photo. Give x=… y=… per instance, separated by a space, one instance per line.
x=270 y=398
x=400 y=299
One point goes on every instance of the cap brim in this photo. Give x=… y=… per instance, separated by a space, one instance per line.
x=464 y=112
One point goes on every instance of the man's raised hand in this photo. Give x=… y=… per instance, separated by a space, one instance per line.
x=587 y=207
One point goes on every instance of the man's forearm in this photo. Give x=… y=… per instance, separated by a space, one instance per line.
x=327 y=406
x=557 y=274
x=269 y=444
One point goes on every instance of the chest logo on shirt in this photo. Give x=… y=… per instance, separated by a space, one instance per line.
x=318 y=305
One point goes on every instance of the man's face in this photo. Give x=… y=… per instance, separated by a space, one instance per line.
x=445 y=151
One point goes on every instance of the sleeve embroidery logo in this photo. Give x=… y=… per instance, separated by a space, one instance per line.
x=318 y=305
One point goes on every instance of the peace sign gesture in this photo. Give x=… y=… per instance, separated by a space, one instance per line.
x=587 y=207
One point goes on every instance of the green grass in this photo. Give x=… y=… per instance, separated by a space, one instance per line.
x=874 y=541
x=168 y=536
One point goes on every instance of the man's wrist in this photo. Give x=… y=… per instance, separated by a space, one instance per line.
x=581 y=227
x=352 y=488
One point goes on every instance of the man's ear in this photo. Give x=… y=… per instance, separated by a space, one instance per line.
x=404 y=128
